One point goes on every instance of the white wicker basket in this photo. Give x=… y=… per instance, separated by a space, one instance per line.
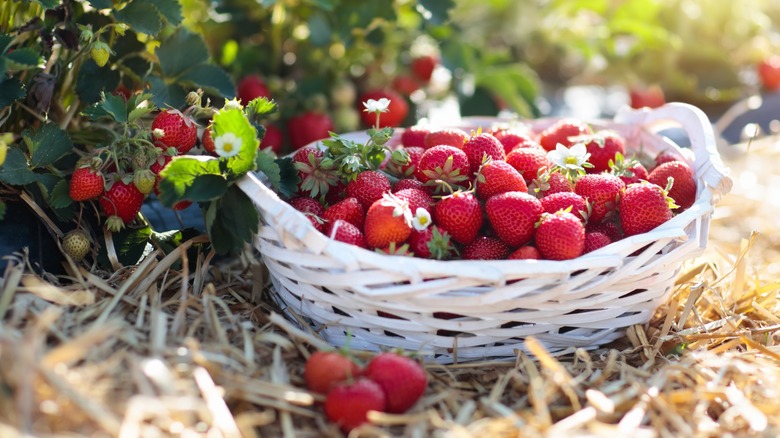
x=382 y=301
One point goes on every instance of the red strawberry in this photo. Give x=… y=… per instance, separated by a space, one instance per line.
x=560 y=236
x=86 y=184
x=407 y=170
x=446 y=163
x=562 y=132
x=423 y=66
x=207 y=141
x=160 y=164
x=411 y=183
x=308 y=127
x=602 y=191
x=486 y=248
x=449 y=137
x=250 y=88
x=513 y=215
x=349 y=209
x=480 y=146
x=387 y=220
x=603 y=148
x=629 y=170
x=405 y=84
x=326 y=369
x=608 y=228
x=683 y=189
x=312 y=209
x=595 y=240
x=314 y=178
x=123 y=201
x=402 y=379
x=650 y=97
x=643 y=207
x=414 y=136
x=417 y=199
x=344 y=231
x=461 y=214
x=528 y=161
x=273 y=139
x=336 y=193
x=498 y=177
x=550 y=182
x=513 y=139
x=665 y=157
x=563 y=200
x=368 y=187
x=433 y=242
x=396 y=111
x=172 y=129
x=528 y=252
x=348 y=404
x=769 y=72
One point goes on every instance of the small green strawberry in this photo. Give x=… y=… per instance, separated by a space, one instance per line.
x=100 y=52
x=76 y=244
x=144 y=181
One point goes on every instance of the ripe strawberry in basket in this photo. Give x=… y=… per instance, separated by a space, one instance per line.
x=433 y=242
x=387 y=220
x=629 y=170
x=595 y=240
x=566 y=200
x=683 y=189
x=416 y=198
x=446 y=163
x=486 y=248
x=414 y=136
x=563 y=132
x=513 y=139
x=496 y=177
x=529 y=162
x=549 y=182
x=482 y=146
x=407 y=169
x=368 y=187
x=602 y=191
x=513 y=215
x=560 y=236
x=312 y=209
x=643 y=207
x=344 y=231
x=315 y=178
x=603 y=148
x=461 y=214
x=349 y=209
x=450 y=137
x=527 y=252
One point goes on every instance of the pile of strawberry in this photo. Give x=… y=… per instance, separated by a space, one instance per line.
x=509 y=193
x=390 y=383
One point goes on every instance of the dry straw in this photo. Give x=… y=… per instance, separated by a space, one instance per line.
x=157 y=350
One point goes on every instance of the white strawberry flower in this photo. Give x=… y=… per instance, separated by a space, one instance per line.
x=376 y=106
x=573 y=158
x=227 y=145
x=422 y=219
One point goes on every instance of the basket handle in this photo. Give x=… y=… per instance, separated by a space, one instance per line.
x=700 y=133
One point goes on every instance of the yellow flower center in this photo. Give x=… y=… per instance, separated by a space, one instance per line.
x=571 y=160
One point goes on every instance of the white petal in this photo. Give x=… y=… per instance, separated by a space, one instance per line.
x=578 y=150
x=422 y=219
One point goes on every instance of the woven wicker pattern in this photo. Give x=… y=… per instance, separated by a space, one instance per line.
x=471 y=310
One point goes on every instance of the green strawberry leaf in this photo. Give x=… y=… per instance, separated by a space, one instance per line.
x=5 y=41
x=2 y=210
x=59 y=196
x=435 y=11
x=100 y=4
x=179 y=179
x=166 y=94
x=142 y=16
x=15 y=171
x=47 y=145
x=48 y=4
x=170 y=9
x=93 y=81
x=110 y=106
x=235 y=223
x=23 y=59
x=46 y=183
x=182 y=51
x=260 y=107
x=211 y=78
x=233 y=121
x=281 y=172
x=11 y=90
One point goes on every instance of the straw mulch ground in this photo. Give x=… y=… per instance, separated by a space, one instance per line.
x=153 y=351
